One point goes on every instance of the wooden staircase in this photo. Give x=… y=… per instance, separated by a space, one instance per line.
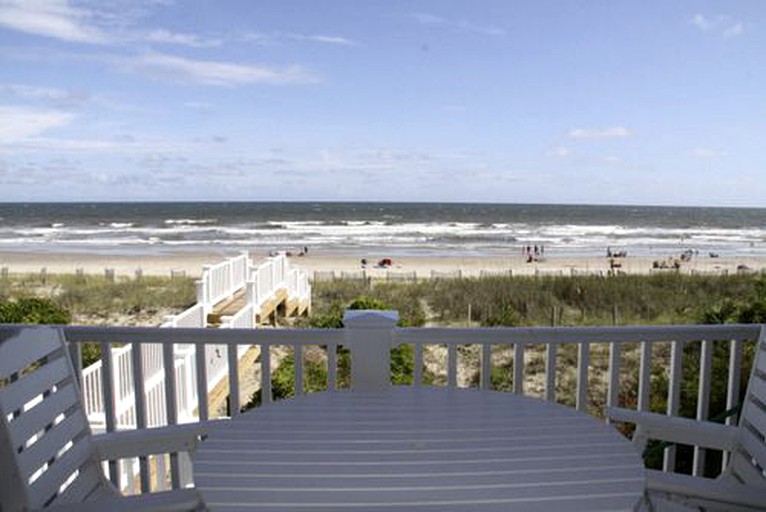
x=280 y=304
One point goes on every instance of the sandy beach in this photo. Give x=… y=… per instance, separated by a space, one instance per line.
x=324 y=262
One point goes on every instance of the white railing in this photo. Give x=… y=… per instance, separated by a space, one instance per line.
x=263 y=277
x=222 y=280
x=298 y=285
x=195 y=316
x=588 y=367
x=243 y=319
x=218 y=282
x=280 y=265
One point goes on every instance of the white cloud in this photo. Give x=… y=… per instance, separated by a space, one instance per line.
x=723 y=25
x=258 y=38
x=49 y=95
x=325 y=39
x=458 y=25
x=428 y=19
x=71 y=145
x=277 y=38
x=734 y=30
x=206 y=72
x=108 y=24
x=603 y=133
x=701 y=22
x=51 y=18
x=33 y=92
x=199 y=105
x=705 y=153
x=18 y=123
x=163 y=36
x=561 y=152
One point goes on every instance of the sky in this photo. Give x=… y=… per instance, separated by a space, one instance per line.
x=526 y=101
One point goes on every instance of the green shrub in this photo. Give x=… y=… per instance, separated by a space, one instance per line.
x=331 y=319
x=748 y=308
x=506 y=316
x=283 y=381
x=33 y=311
x=331 y=299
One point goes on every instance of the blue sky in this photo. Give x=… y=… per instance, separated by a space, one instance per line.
x=638 y=102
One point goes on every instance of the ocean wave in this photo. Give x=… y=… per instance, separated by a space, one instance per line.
x=190 y=222
x=203 y=226
x=380 y=232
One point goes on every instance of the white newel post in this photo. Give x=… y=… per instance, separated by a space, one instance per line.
x=250 y=293
x=200 y=287
x=273 y=269
x=368 y=333
x=230 y=276
x=202 y=297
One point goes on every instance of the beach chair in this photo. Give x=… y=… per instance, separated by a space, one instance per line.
x=49 y=458
x=742 y=485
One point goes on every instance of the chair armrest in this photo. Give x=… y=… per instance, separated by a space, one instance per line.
x=151 y=441
x=180 y=500
x=717 y=490
x=651 y=425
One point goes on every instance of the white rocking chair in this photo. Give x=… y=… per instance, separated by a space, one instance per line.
x=49 y=458
x=742 y=485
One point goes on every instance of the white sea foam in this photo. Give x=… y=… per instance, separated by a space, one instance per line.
x=190 y=222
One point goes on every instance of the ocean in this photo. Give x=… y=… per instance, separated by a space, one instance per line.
x=395 y=229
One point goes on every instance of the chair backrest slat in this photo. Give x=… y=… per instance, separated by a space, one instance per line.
x=37 y=455
x=743 y=469
x=760 y=363
x=45 y=439
x=45 y=488
x=754 y=447
x=42 y=415
x=757 y=388
x=748 y=463
x=85 y=486
x=26 y=345
x=756 y=417
x=36 y=383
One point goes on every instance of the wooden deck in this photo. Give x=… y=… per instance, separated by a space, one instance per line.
x=386 y=432
x=424 y=449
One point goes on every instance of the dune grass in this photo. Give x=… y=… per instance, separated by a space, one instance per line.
x=97 y=296
x=526 y=300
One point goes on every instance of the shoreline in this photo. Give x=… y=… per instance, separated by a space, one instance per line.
x=191 y=264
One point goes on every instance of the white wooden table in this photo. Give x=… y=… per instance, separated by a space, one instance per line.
x=419 y=449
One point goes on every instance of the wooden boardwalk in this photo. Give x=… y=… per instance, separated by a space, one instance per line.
x=280 y=304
